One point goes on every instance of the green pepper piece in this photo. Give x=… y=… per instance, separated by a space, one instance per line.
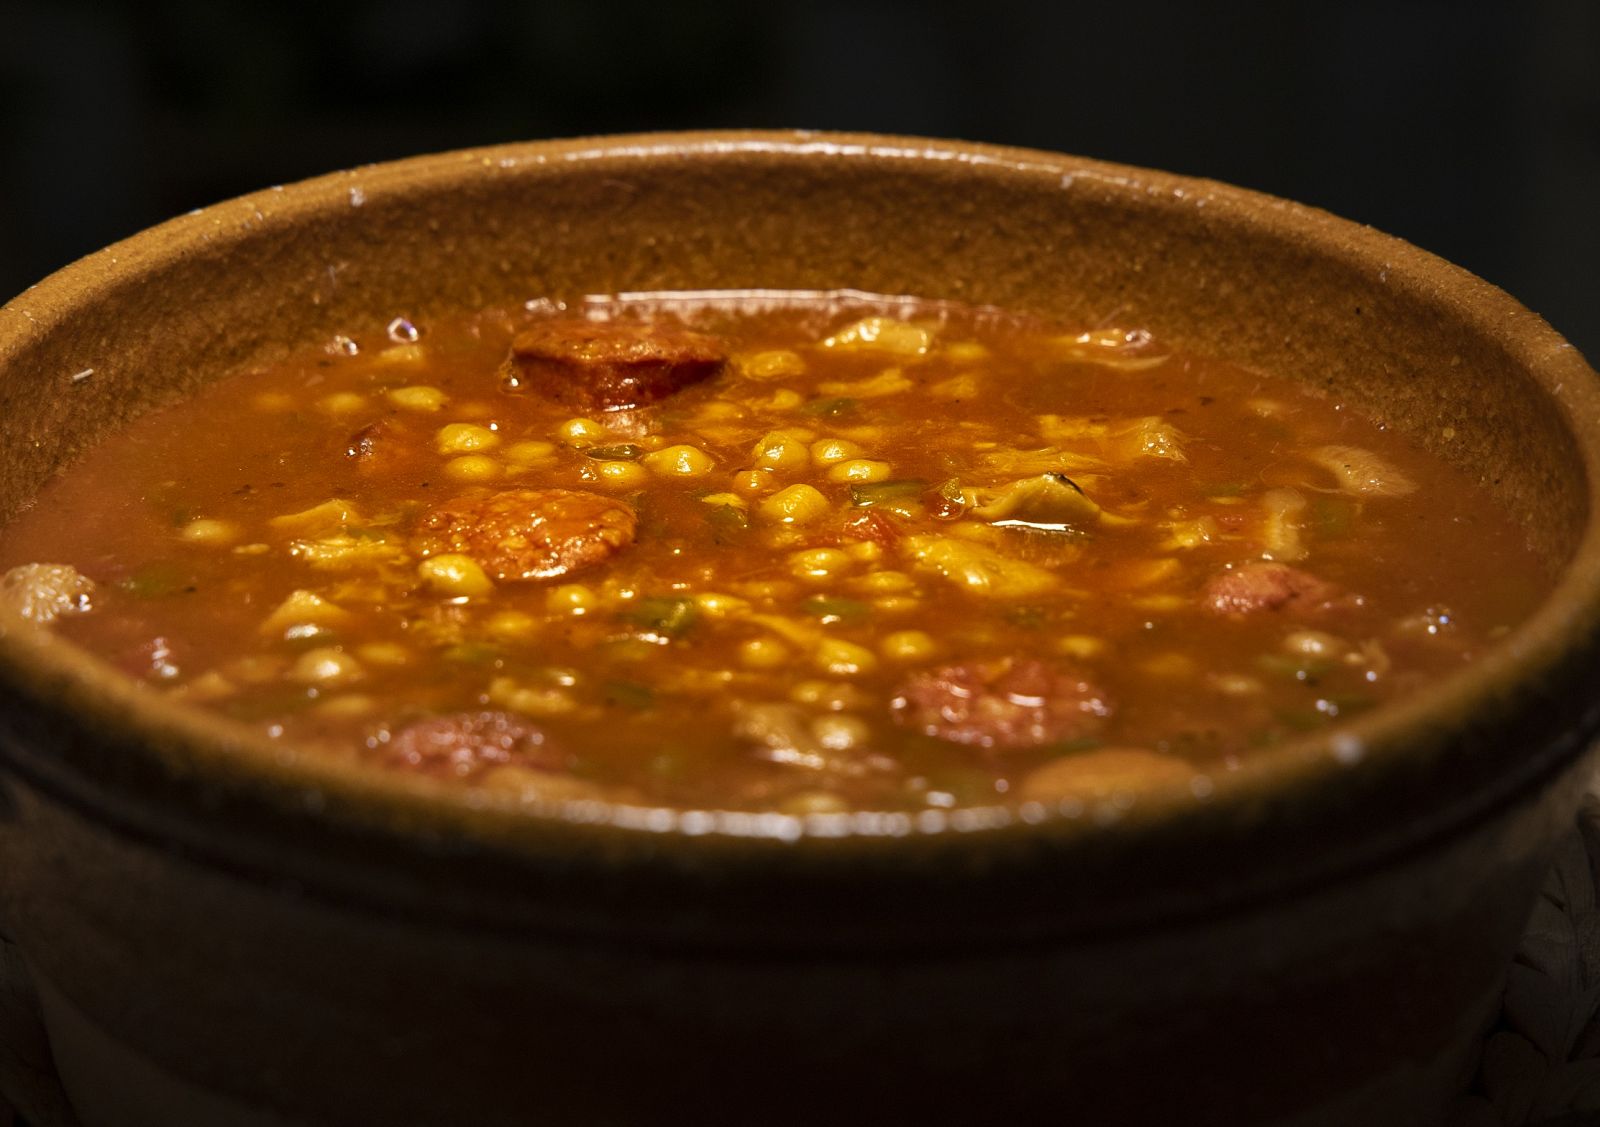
x=1295 y=668
x=158 y=579
x=884 y=492
x=668 y=615
x=628 y=694
x=727 y=518
x=1334 y=518
x=471 y=653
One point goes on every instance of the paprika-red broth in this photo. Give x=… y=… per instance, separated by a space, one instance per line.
x=799 y=552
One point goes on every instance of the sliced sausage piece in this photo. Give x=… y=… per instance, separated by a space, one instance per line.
x=606 y=366
x=1255 y=587
x=463 y=745
x=1012 y=703
x=874 y=526
x=530 y=534
x=386 y=447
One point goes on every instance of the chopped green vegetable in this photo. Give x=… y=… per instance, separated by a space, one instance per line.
x=471 y=653
x=620 y=451
x=628 y=694
x=158 y=579
x=1299 y=668
x=668 y=615
x=1301 y=719
x=884 y=492
x=1029 y=616
x=727 y=518
x=1334 y=518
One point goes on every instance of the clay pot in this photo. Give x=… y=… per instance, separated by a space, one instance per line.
x=225 y=934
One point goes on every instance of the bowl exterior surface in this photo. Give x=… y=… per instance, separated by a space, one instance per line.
x=241 y=1004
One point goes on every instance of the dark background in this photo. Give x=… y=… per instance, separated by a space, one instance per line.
x=1472 y=129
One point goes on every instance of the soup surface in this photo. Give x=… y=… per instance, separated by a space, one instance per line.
x=806 y=553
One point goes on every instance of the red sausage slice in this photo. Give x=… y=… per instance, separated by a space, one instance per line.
x=598 y=365
x=530 y=534
x=1013 y=703
x=463 y=745
x=1255 y=587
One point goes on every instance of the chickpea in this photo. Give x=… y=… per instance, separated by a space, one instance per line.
x=827 y=451
x=418 y=398
x=908 y=645
x=582 y=432
x=623 y=475
x=455 y=575
x=859 y=470
x=764 y=653
x=216 y=533
x=531 y=451
x=844 y=659
x=798 y=504
x=342 y=403
x=465 y=438
x=818 y=564
x=473 y=468
x=781 y=451
x=571 y=598
x=679 y=461
x=326 y=665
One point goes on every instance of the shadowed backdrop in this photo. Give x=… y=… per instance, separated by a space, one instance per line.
x=1471 y=129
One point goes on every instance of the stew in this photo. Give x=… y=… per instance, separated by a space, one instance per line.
x=798 y=552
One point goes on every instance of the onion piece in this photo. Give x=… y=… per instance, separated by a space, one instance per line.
x=1361 y=471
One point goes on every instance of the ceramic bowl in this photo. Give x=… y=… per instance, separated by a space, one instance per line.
x=225 y=933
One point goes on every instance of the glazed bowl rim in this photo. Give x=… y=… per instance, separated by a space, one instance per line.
x=212 y=752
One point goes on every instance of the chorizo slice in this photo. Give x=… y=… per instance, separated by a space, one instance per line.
x=1011 y=703
x=608 y=366
x=385 y=448
x=464 y=745
x=530 y=534
x=1255 y=587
